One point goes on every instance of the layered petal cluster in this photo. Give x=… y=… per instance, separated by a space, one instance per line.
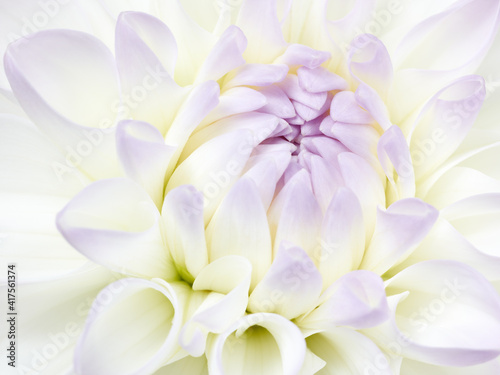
x=256 y=187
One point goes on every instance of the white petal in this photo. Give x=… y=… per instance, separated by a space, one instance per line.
x=445 y=242
x=193 y=41
x=363 y=180
x=444 y=123
x=295 y=215
x=342 y=235
x=213 y=167
x=136 y=311
x=477 y=218
x=144 y=156
x=51 y=317
x=258 y=344
x=410 y=367
x=347 y=352
x=235 y=101
x=225 y=56
x=291 y=287
x=182 y=213
x=146 y=53
x=459 y=183
x=394 y=156
x=240 y=227
x=369 y=62
x=429 y=63
x=398 y=231
x=29 y=236
x=357 y=300
x=257 y=19
x=228 y=279
x=29 y=162
x=61 y=69
x=42 y=89
x=450 y=317
x=188 y=365
x=116 y=224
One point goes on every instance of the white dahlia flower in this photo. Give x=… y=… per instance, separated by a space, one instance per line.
x=250 y=187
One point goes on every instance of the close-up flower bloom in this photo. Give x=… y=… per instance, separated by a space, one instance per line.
x=250 y=187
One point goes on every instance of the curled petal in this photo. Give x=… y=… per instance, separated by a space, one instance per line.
x=258 y=344
x=123 y=314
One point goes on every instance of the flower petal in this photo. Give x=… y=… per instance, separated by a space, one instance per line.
x=146 y=53
x=258 y=20
x=144 y=156
x=182 y=214
x=363 y=180
x=240 y=227
x=49 y=64
x=258 y=344
x=257 y=75
x=342 y=235
x=477 y=219
x=348 y=352
x=394 y=156
x=134 y=310
x=450 y=317
x=291 y=287
x=228 y=279
x=235 y=101
x=295 y=215
x=53 y=317
x=116 y=224
x=225 y=56
x=370 y=63
x=357 y=300
x=398 y=231
x=41 y=85
x=444 y=123
x=188 y=365
x=213 y=167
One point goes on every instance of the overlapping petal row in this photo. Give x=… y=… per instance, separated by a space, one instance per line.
x=267 y=202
